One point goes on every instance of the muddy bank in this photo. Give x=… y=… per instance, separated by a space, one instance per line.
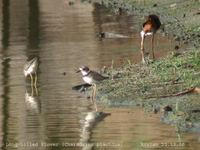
x=146 y=85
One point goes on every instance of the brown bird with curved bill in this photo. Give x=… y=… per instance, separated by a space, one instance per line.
x=149 y=28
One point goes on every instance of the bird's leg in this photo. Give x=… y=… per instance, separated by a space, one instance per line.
x=31 y=83
x=93 y=96
x=142 y=48
x=36 y=91
x=152 y=46
x=94 y=101
x=32 y=92
x=31 y=79
x=35 y=84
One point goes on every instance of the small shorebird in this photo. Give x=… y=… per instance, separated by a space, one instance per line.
x=30 y=68
x=92 y=78
x=149 y=28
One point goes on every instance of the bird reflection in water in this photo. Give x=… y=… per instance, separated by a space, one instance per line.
x=89 y=123
x=32 y=101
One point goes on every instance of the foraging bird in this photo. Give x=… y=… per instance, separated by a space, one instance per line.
x=149 y=28
x=30 y=68
x=92 y=78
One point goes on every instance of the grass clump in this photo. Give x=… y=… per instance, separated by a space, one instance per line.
x=166 y=76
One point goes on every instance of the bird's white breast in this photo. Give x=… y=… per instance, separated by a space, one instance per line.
x=148 y=33
x=87 y=80
x=143 y=34
x=28 y=71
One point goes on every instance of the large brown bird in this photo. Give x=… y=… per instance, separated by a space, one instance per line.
x=150 y=27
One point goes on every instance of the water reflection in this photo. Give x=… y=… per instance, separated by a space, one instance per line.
x=5 y=100
x=5 y=70
x=107 y=22
x=32 y=100
x=88 y=124
x=5 y=23
x=34 y=26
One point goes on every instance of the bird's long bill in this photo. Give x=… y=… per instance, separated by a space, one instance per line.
x=78 y=71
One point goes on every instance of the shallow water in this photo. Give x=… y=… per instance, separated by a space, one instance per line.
x=64 y=39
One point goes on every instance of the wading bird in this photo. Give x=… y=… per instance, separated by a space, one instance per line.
x=150 y=27
x=30 y=68
x=92 y=78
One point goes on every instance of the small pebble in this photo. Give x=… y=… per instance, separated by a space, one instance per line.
x=155 y=110
x=71 y=3
x=177 y=38
x=155 y=5
x=173 y=5
x=196 y=111
x=167 y=108
x=176 y=47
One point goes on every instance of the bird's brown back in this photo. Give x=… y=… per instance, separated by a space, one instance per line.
x=96 y=76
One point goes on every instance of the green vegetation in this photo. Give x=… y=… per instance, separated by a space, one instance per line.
x=164 y=77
